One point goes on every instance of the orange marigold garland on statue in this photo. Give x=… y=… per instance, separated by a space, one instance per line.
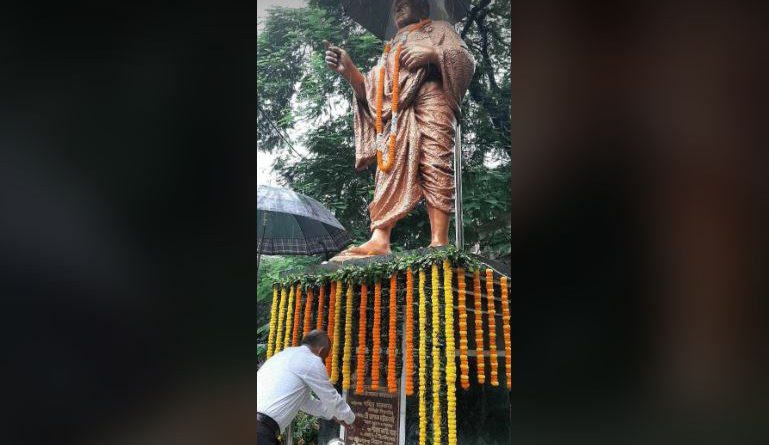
x=289 y=318
x=331 y=309
x=307 y=312
x=381 y=164
x=408 y=354
x=273 y=322
x=297 y=315
x=321 y=302
x=492 y=327
x=464 y=367
x=436 y=353
x=337 y=334
x=392 y=350
x=347 y=339
x=376 y=332
x=506 y=327
x=361 y=358
x=451 y=360
x=281 y=320
x=479 y=350
x=422 y=360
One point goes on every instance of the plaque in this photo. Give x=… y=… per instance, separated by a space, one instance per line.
x=379 y=411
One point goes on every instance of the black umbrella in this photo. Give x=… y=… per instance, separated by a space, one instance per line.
x=374 y=15
x=289 y=223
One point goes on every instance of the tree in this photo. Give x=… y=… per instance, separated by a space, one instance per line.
x=299 y=95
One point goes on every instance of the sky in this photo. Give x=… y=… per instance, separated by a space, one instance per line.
x=264 y=173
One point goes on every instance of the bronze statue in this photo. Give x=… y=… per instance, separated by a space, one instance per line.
x=406 y=111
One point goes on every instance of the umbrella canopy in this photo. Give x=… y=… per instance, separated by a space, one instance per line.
x=289 y=223
x=374 y=15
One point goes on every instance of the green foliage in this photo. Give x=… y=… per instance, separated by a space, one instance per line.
x=297 y=93
x=377 y=270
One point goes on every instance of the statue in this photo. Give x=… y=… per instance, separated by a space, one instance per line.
x=406 y=110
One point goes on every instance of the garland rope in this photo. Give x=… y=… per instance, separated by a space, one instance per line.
x=392 y=351
x=506 y=327
x=464 y=367
x=451 y=365
x=337 y=334
x=492 y=311
x=273 y=322
x=479 y=350
x=307 y=312
x=321 y=301
x=409 y=352
x=361 y=358
x=436 y=355
x=331 y=309
x=347 y=339
x=376 y=351
x=281 y=319
x=422 y=360
x=297 y=314
x=289 y=318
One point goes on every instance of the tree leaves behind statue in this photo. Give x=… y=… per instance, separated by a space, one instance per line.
x=299 y=95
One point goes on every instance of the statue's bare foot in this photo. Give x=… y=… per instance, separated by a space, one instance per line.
x=369 y=248
x=437 y=244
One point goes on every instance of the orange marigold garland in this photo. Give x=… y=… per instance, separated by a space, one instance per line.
x=273 y=322
x=331 y=308
x=387 y=166
x=464 y=367
x=321 y=302
x=392 y=350
x=436 y=352
x=451 y=360
x=479 y=350
x=289 y=318
x=422 y=359
x=361 y=358
x=297 y=315
x=506 y=327
x=492 y=327
x=281 y=320
x=409 y=352
x=347 y=339
x=308 y=312
x=376 y=332
x=337 y=334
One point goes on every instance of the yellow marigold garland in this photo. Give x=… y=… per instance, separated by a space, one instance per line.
x=273 y=316
x=297 y=315
x=321 y=302
x=376 y=332
x=506 y=327
x=436 y=299
x=408 y=354
x=451 y=365
x=422 y=360
x=337 y=334
x=464 y=367
x=331 y=309
x=392 y=350
x=492 y=327
x=479 y=350
x=361 y=358
x=307 y=312
x=289 y=318
x=347 y=339
x=281 y=320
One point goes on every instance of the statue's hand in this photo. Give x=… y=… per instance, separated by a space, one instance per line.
x=338 y=60
x=416 y=56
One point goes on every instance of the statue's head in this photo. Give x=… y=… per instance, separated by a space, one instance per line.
x=406 y=12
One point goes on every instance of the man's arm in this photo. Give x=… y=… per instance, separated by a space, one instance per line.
x=330 y=402
x=315 y=408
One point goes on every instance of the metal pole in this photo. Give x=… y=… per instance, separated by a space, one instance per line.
x=458 y=220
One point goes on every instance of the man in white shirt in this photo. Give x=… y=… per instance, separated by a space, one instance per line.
x=284 y=385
